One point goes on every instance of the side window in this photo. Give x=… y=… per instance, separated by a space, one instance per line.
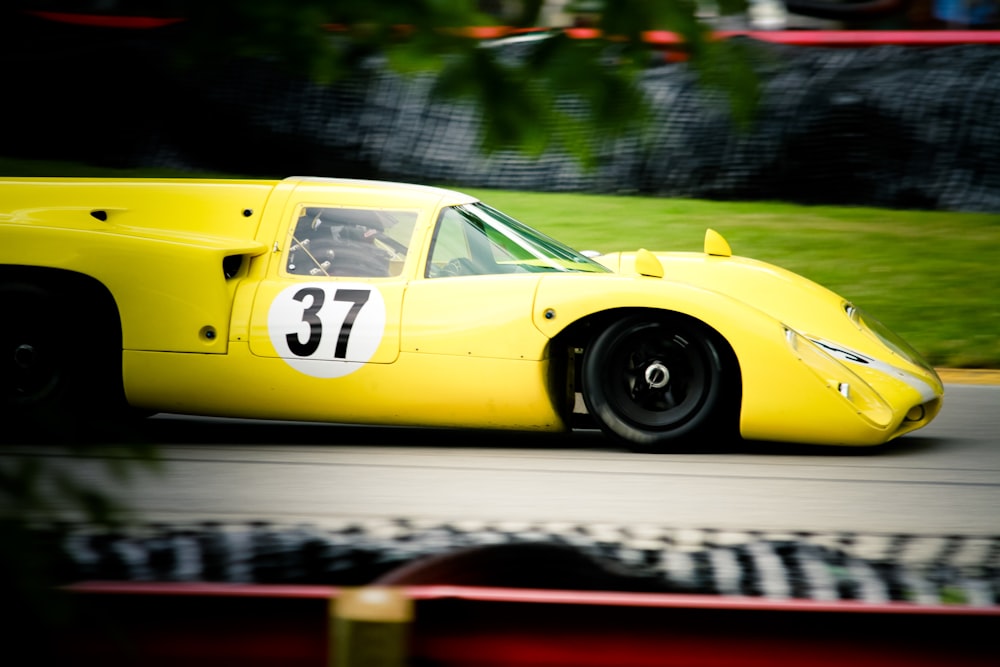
x=349 y=242
x=460 y=247
x=449 y=244
x=464 y=246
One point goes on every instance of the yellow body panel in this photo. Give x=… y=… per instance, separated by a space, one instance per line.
x=475 y=316
x=159 y=250
x=416 y=390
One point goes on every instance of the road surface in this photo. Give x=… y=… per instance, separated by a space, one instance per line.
x=944 y=479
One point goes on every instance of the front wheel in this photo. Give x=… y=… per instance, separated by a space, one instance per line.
x=650 y=381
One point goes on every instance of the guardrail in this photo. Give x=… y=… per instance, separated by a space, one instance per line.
x=213 y=624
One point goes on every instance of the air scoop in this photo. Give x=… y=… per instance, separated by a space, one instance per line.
x=716 y=245
x=646 y=264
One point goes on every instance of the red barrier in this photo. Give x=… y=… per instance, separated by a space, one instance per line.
x=851 y=38
x=657 y=38
x=249 y=625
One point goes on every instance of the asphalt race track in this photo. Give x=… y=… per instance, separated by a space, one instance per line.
x=944 y=479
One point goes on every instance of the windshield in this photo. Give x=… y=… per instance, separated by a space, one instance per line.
x=476 y=239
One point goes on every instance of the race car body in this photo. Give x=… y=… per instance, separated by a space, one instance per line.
x=385 y=303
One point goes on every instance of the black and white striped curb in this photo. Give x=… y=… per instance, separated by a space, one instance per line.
x=922 y=569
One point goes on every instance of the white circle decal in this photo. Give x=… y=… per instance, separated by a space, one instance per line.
x=327 y=330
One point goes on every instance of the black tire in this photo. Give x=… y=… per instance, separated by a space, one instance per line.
x=55 y=355
x=652 y=381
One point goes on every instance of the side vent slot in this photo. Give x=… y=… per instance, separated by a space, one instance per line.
x=231 y=266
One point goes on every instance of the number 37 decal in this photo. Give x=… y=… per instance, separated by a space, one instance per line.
x=327 y=330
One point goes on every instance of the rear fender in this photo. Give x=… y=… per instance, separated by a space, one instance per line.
x=174 y=293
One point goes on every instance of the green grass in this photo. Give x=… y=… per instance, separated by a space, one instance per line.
x=932 y=277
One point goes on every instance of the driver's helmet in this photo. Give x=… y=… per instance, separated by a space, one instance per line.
x=339 y=242
x=351 y=224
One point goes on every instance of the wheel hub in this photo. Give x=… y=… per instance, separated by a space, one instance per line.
x=657 y=375
x=24 y=356
x=30 y=373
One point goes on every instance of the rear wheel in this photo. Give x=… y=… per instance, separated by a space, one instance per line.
x=55 y=372
x=650 y=381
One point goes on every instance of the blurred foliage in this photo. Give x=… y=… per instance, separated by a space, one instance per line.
x=39 y=492
x=531 y=103
x=523 y=101
x=36 y=487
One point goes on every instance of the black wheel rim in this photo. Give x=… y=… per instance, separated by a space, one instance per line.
x=658 y=378
x=30 y=366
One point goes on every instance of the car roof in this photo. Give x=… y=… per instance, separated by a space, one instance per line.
x=425 y=193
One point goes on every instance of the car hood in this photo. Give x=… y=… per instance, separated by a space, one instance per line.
x=797 y=302
x=786 y=296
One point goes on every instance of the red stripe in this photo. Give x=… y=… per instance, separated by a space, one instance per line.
x=103 y=21
x=533 y=596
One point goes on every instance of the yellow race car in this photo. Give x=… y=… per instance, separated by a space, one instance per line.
x=385 y=303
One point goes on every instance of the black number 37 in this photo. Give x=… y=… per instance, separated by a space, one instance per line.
x=357 y=298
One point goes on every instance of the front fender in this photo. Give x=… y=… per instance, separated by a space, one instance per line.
x=791 y=389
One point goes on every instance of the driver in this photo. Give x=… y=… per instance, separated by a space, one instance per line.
x=344 y=242
x=355 y=234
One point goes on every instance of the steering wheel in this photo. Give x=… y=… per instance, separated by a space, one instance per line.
x=460 y=266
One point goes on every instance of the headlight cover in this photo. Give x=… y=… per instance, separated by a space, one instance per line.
x=841 y=379
x=871 y=325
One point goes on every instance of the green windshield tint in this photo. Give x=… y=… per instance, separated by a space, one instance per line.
x=476 y=239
